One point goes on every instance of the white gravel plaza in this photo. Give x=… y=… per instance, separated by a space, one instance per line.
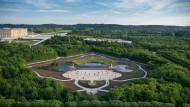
x=92 y=74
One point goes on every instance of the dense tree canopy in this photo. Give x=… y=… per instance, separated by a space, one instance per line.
x=165 y=49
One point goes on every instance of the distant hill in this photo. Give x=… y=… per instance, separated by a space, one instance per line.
x=101 y=26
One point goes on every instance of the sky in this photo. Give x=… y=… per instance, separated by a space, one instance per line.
x=124 y=12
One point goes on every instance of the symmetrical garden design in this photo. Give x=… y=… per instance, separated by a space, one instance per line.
x=90 y=72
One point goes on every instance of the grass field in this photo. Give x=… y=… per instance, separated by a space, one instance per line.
x=86 y=60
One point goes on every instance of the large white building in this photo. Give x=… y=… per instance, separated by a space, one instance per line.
x=13 y=32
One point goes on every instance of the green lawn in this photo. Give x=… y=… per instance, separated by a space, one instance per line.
x=66 y=31
x=99 y=60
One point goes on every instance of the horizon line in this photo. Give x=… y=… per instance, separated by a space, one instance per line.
x=100 y=24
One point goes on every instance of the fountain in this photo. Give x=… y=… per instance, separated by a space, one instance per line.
x=91 y=83
x=72 y=66
x=111 y=66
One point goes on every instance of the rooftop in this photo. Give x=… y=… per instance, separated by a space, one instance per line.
x=6 y=28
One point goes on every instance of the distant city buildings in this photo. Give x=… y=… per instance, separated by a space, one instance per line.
x=13 y=32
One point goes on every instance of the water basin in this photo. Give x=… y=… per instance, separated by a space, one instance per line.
x=122 y=68
x=63 y=68
x=93 y=64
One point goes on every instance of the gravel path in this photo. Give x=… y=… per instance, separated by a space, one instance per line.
x=134 y=78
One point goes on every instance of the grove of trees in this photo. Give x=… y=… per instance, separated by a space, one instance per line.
x=167 y=55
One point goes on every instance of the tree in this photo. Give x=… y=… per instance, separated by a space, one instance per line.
x=71 y=104
x=116 y=93
x=7 y=102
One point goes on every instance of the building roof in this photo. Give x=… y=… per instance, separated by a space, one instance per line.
x=6 y=28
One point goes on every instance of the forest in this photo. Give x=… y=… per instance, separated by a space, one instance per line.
x=108 y=29
x=167 y=57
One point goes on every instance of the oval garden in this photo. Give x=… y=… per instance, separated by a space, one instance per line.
x=90 y=72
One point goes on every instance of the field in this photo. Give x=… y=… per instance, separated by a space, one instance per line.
x=98 y=60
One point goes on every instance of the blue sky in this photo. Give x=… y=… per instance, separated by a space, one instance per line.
x=125 y=12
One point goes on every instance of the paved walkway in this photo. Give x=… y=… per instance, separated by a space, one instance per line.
x=92 y=90
x=32 y=64
x=39 y=41
x=92 y=75
x=134 y=78
x=51 y=77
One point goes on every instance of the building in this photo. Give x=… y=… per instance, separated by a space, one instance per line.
x=108 y=40
x=13 y=32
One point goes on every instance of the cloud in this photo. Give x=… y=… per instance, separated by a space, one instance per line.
x=71 y=0
x=52 y=11
x=141 y=10
x=3 y=2
x=68 y=1
x=97 y=11
x=131 y=4
x=143 y=6
x=57 y=19
x=105 y=16
x=105 y=4
x=12 y=10
x=84 y=16
x=42 y=3
x=42 y=11
x=117 y=12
